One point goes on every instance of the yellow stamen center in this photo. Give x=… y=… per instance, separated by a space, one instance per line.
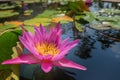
x=46 y=49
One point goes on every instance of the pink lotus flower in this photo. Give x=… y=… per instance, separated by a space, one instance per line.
x=46 y=48
x=88 y=3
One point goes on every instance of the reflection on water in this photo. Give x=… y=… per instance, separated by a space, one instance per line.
x=108 y=37
x=116 y=50
x=86 y=45
x=55 y=74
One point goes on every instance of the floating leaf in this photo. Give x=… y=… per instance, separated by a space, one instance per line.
x=78 y=17
x=9 y=13
x=99 y=26
x=78 y=26
x=15 y=23
x=1 y=24
x=37 y=21
x=89 y=16
x=5 y=28
x=6 y=6
x=47 y=14
x=62 y=18
x=108 y=18
x=110 y=11
x=115 y=25
x=10 y=25
x=28 y=12
x=30 y=28
x=17 y=51
x=47 y=17
x=7 y=41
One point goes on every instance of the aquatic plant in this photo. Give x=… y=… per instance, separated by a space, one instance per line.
x=8 y=13
x=6 y=6
x=46 y=48
x=106 y=18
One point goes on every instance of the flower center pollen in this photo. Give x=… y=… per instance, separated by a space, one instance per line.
x=46 y=49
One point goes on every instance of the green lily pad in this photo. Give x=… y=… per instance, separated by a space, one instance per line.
x=89 y=16
x=115 y=25
x=9 y=25
x=78 y=17
x=6 y=6
x=99 y=26
x=7 y=41
x=17 y=51
x=109 y=18
x=38 y=21
x=47 y=14
x=110 y=11
x=9 y=13
x=28 y=12
x=78 y=26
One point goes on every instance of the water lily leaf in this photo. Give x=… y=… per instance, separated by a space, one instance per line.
x=78 y=17
x=108 y=18
x=1 y=24
x=7 y=41
x=30 y=28
x=6 y=6
x=110 y=11
x=78 y=26
x=89 y=16
x=17 y=51
x=10 y=25
x=14 y=72
x=62 y=19
x=28 y=12
x=115 y=25
x=109 y=15
x=47 y=14
x=32 y=1
x=99 y=26
x=47 y=17
x=9 y=13
x=37 y=21
x=6 y=28
x=15 y=23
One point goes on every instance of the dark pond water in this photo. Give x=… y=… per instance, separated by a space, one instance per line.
x=100 y=54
